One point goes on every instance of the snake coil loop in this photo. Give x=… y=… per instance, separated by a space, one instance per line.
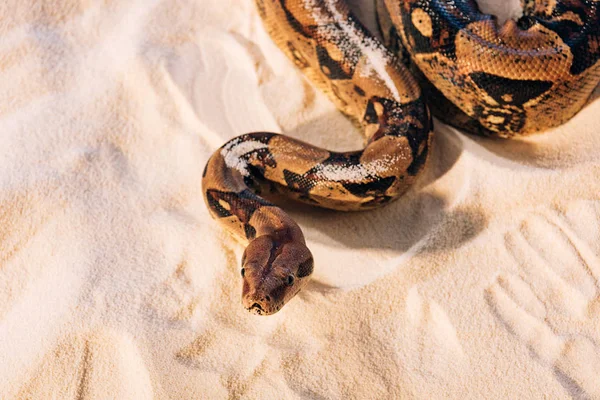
x=515 y=79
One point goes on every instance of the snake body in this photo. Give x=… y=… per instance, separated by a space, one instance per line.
x=522 y=77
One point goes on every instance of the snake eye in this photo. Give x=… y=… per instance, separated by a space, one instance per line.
x=243 y=272
x=290 y=280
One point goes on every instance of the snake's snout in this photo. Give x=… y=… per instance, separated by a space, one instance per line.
x=256 y=308
x=259 y=309
x=259 y=305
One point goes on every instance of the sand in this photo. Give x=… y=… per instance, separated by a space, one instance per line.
x=481 y=283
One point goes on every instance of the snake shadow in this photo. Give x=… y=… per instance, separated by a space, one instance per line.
x=561 y=147
x=425 y=215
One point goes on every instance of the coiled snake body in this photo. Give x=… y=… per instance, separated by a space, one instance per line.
x=522 y=77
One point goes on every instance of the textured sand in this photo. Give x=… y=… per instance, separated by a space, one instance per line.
x=482 y=283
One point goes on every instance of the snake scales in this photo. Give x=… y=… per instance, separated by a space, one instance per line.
x=522 y=77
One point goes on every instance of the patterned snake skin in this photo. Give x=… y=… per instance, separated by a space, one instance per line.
x=515 y=79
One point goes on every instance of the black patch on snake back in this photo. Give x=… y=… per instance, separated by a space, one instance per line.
x=242 y=204
x=372 y=188
x=299 y=59
x=264 y=157
x=525 y=22
x=507 y=118
x=408 y=119
x=422 y=44
x=418 y=139
x=333 y=69
x=418 y=161
x=213 y=197
x=297 y=182
x=358 y=90
x=340 y=160
x=519 y=92
x=394 y=44
x=249 y=231
x=448 y=18
x=583 y=41
x=255 y=177
x=419 y=144
x=371 y=116
x=261 y=136
x=294 y=23
x=251 y=182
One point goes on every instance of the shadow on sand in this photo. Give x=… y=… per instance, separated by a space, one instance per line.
x=398 y=226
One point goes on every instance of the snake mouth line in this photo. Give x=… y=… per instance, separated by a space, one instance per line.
x=257 y=309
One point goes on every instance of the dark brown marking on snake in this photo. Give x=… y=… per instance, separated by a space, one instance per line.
x=359 y=91
x=298 y=182
x=519 y=91
x=408 y=119
x=276 y=250
x=376 y=187
x=421 y=156
x=242 y=204
x=370 y=116
x=333 y=69
x=262 y=137
x=584 y=41
x=525 y=22
x=448 y=18
x=506 y=118
x=294 y=23
x=249 y=231
x=300 y=61
x=213 y=203
x=390 y=37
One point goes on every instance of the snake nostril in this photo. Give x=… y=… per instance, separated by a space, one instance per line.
x=256 y=305
x=268 y=298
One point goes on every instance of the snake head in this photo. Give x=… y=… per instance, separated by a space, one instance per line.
x=273 y=272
